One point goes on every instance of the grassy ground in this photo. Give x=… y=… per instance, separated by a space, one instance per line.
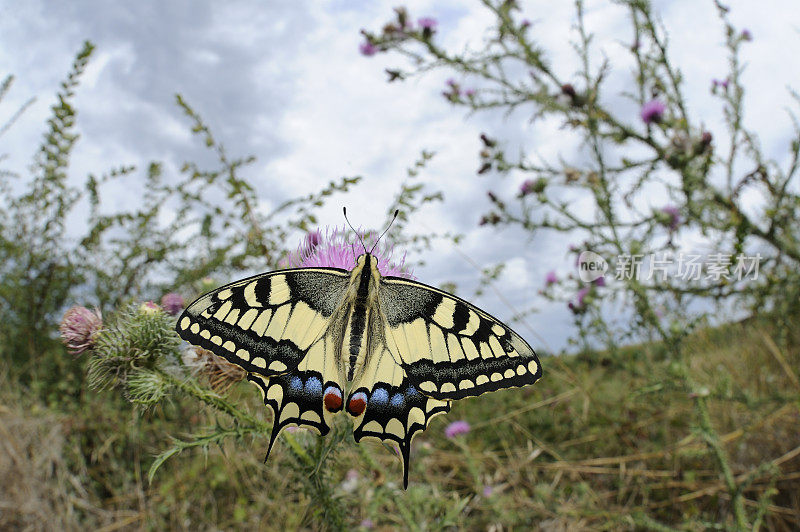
x=601 y=442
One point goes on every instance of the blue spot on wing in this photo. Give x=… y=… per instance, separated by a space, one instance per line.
x=314 y=386
x=380 y=397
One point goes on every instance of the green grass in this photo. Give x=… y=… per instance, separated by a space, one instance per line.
x=604 y=441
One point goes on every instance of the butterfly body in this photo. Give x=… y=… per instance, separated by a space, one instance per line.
x=391 y=352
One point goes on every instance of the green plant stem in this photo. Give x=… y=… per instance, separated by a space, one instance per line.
x=712 y=439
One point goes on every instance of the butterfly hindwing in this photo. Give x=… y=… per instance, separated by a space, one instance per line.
x=396 y=410
x=278 y=327
x=449 y=348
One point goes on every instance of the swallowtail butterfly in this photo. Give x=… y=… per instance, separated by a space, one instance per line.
x=391 y=352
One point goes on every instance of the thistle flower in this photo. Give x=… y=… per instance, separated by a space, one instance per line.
x=670 y=216
x=78 y=327
x=456 y=428
x=653 y=111
x=367 y=524
x=172 y=303
x=582 y=293
x=746 y=35
x=427 y=23
x=600 y=281
x=333 y=250
x=367 y=49
x=551 y=278
x=530 y=186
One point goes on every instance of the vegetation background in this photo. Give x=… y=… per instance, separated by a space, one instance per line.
x=674 y=406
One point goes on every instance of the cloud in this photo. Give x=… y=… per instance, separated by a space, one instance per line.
x=284 y=81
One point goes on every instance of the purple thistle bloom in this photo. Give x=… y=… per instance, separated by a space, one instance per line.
x=488 y=491
x=600 y=281
x=720 y=83
x=334 y=251
x=525 y=23
x=550 y=278
x=367 y=523
x=746 y=35
x=172 y=302
x=78 y=327
x=653 y=111
x=469 y=93
x=367 y=48
x=456 y=428
x=427 y=23
x=673 y=216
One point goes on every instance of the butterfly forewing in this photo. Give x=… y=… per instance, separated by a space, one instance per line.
x=449 y=348
x=282 y=328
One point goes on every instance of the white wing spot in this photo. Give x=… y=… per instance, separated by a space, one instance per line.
x=521 y=369
x=310 y=415
x=195 y=328
x=244 y=354
x=508 y=373
x=394 y=426
x=289 y=411
x=275 y=393
x=216 y=340
x=230 y=346
x=185 y=322
x=277 y=365
x=481 y=379
x=448 y=387
x=279 y=292
x=250 y=295
x=260 y=325
x=248 y=318
x=469 y=349
x=466 y=384
x=372 y=426
x=427 y=386
x=533 y=366
x=205 y=334
x=224 y=294
x=496 y=377
x=259 y=361
x=454 y=347
x=498 y=330
x=232 y=317
x=444 y=313
x=223 y=310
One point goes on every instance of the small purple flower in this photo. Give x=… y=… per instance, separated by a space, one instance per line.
x=367 y=523
x=172 y=303
x=78 y=327
x=532 y=186
x=746 y=35
x=672 y=216
x=456 y=428
x=367 y=48
x=488 y=491
x=600 y=281
x=333 y=250
x=427 y=23
x=653 y=111
x=469 y=93
x=551 y=278
x=525 y=23
x=717 y=83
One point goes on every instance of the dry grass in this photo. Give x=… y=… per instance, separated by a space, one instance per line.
x=599 y=446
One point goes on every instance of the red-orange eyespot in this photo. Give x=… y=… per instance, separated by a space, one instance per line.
x=357 y=404
x=332 y=399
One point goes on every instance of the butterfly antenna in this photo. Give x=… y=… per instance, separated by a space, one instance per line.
x=385 y=230
x=344 y=211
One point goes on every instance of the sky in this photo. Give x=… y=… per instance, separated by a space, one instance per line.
x=284 y=81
